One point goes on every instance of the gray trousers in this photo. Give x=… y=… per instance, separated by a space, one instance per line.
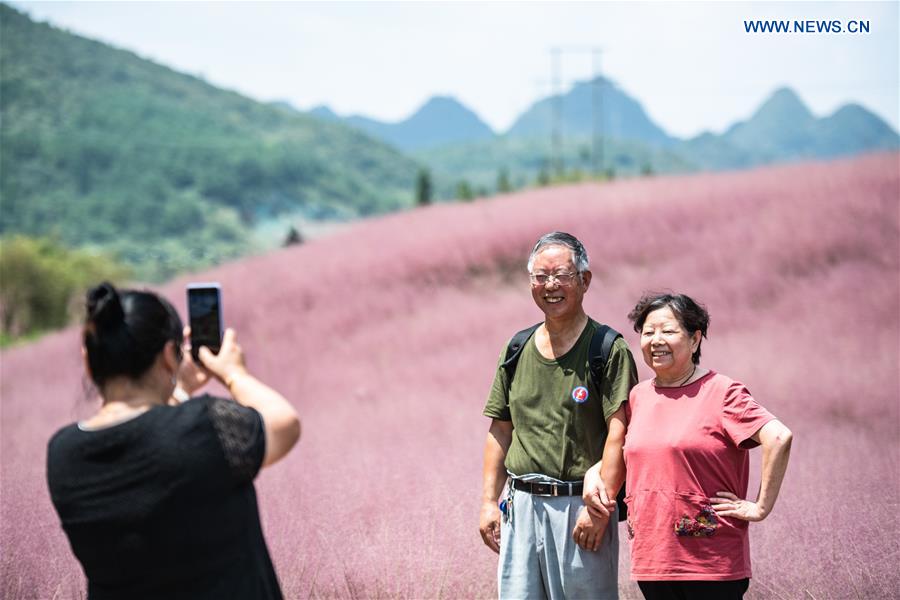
x=539 y=558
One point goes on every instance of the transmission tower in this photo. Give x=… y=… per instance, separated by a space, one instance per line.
x=556 y=128
x=557 y=111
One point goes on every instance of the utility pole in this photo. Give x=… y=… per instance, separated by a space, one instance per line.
x=596 y=113
x=556 y=128
x=557 y=110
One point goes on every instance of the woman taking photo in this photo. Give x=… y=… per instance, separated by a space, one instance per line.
x=156 y=493
x=685 y=450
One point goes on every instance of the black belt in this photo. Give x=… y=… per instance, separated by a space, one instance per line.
x=549 y=489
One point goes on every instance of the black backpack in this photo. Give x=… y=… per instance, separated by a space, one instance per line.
x=598 y=355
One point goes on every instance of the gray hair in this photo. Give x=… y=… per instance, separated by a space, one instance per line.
x=567 y=240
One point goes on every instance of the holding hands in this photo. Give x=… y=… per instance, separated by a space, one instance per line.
x=593 y=519
x=589 y=529
x=596 y=499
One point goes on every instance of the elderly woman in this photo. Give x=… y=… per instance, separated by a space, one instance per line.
x=688 y=432
x=156 y=495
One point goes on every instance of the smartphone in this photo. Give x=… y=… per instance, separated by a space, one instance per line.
x=204 y=302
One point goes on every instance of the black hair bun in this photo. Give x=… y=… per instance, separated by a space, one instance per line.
x=104 y=307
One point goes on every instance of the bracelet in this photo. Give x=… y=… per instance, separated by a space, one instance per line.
x=179 y=394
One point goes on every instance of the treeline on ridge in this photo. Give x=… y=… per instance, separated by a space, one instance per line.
x=101 y=148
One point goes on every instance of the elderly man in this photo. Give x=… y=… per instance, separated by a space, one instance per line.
x=549 y=423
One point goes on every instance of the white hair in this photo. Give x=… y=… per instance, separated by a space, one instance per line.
x=567 y=240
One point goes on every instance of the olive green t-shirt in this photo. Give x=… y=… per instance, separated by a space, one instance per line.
x=558 y=414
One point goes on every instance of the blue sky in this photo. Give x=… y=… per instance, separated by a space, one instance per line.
x=691 y=64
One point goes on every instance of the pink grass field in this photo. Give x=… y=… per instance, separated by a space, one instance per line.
x=385 y=337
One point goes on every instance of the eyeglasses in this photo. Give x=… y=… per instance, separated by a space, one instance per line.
x=560 y=278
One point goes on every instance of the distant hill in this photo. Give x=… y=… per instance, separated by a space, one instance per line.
x=780 y=127
x=457 y=146
x=622 y=117
x=323 y=112
x=103 y=148
x=441 y=120
x=784 y=129
x=631 y=143
x=853 y=129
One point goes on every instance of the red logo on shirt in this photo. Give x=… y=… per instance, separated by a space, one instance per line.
x=580 y=394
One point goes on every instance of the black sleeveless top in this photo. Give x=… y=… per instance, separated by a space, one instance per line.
x=163 y=505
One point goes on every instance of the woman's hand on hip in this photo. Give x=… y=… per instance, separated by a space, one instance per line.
x=727 y=504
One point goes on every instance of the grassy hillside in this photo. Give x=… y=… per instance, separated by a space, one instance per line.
x=102 y=148
x=387 y=340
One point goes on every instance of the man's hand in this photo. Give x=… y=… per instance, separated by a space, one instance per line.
x=499 y=438
x=594 y=495
x=589 y=529
x=489 y=525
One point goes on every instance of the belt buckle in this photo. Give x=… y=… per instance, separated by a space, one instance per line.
x=550 y=489
x=542 y=489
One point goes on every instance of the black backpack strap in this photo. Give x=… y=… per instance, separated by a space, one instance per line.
x=514 y=349
x=601 y=347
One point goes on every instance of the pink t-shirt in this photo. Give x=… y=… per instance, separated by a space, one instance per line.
x=683 y=446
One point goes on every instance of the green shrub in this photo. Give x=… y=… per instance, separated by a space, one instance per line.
x=41 y=283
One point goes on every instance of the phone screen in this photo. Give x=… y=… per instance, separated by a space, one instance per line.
x=205 y=316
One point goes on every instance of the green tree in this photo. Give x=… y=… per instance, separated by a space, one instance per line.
x=42 y=281
x=423 y=187
x=503 y=185
x=584 y=155
x=293 y=237
x=464 y=191
x=575 y=175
